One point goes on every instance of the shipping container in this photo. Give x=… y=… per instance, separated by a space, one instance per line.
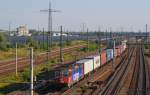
x=87 y=65
x=122 y=48
x=124 y=43
x=96 y=61
x=115 y=52
x=109 y=54
x=118 y=50
x=80 y=69
x=103 y=57
x=75 y=73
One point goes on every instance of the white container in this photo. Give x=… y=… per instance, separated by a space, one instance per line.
x=115 y=52
x=96 y=60
x=124 y=43
x=88 y=65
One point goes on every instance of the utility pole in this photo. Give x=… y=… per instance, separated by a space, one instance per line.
x=16 y=60
x=87 y=40
x=9 y=30
x=43 y=38
x=50 y=32
x=83 y=25
x=114 y=48
x=61 y=45
x=67 y=37
x=146 y=32
x=99 y=44
x=99 y=41
x=106 y=39
x=31 y=71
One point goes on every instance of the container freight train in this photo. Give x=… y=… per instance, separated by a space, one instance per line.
x=70 y=74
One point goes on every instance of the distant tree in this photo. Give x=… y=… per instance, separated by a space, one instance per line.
x=3 y=42
x=32 y=43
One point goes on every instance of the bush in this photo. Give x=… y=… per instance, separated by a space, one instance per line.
x=32 y=43
x=3 y=42
x=26 y=75
x=147 y=46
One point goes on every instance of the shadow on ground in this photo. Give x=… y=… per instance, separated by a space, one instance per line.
x=14 y=87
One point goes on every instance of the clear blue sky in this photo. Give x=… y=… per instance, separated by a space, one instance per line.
x=104 y=13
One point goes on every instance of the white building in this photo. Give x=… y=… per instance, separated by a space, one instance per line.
x=23 y=31
x=59 y=34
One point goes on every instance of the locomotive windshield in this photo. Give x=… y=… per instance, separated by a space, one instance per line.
x=65 y=73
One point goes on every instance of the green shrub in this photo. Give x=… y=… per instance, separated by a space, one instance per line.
x=3 y=42
x=26 y=75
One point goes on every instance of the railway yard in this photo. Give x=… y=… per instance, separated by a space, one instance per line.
x=123 y=71
x=83 y=47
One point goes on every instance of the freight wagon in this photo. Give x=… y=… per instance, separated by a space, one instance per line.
x=70 y=74
x=118 y=48
x=109 y=54
x=115 y=52
x=103 y=57
x=96 y=61
x=87 y=65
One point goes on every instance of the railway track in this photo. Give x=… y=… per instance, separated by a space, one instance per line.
x=140 y=81
x=131 y=78
x=9 y=66
x=147 y=67
x=113 y=84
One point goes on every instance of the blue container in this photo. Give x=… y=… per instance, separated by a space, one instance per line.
x=80 y=69
x=75 y=73
x=109 y=54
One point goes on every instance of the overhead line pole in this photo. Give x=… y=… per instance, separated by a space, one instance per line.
x=16 y=60
x=31 y=71
x=146 y=32
x=114 y=49
x=87 y=40
x=106 y=39
x=61 y=38
x=67 y=37
x=43 y=38
x=99 y=43
x=9 y=30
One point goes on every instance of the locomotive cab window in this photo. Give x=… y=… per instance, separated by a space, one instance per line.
x=56 y=73
x=65 y=73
